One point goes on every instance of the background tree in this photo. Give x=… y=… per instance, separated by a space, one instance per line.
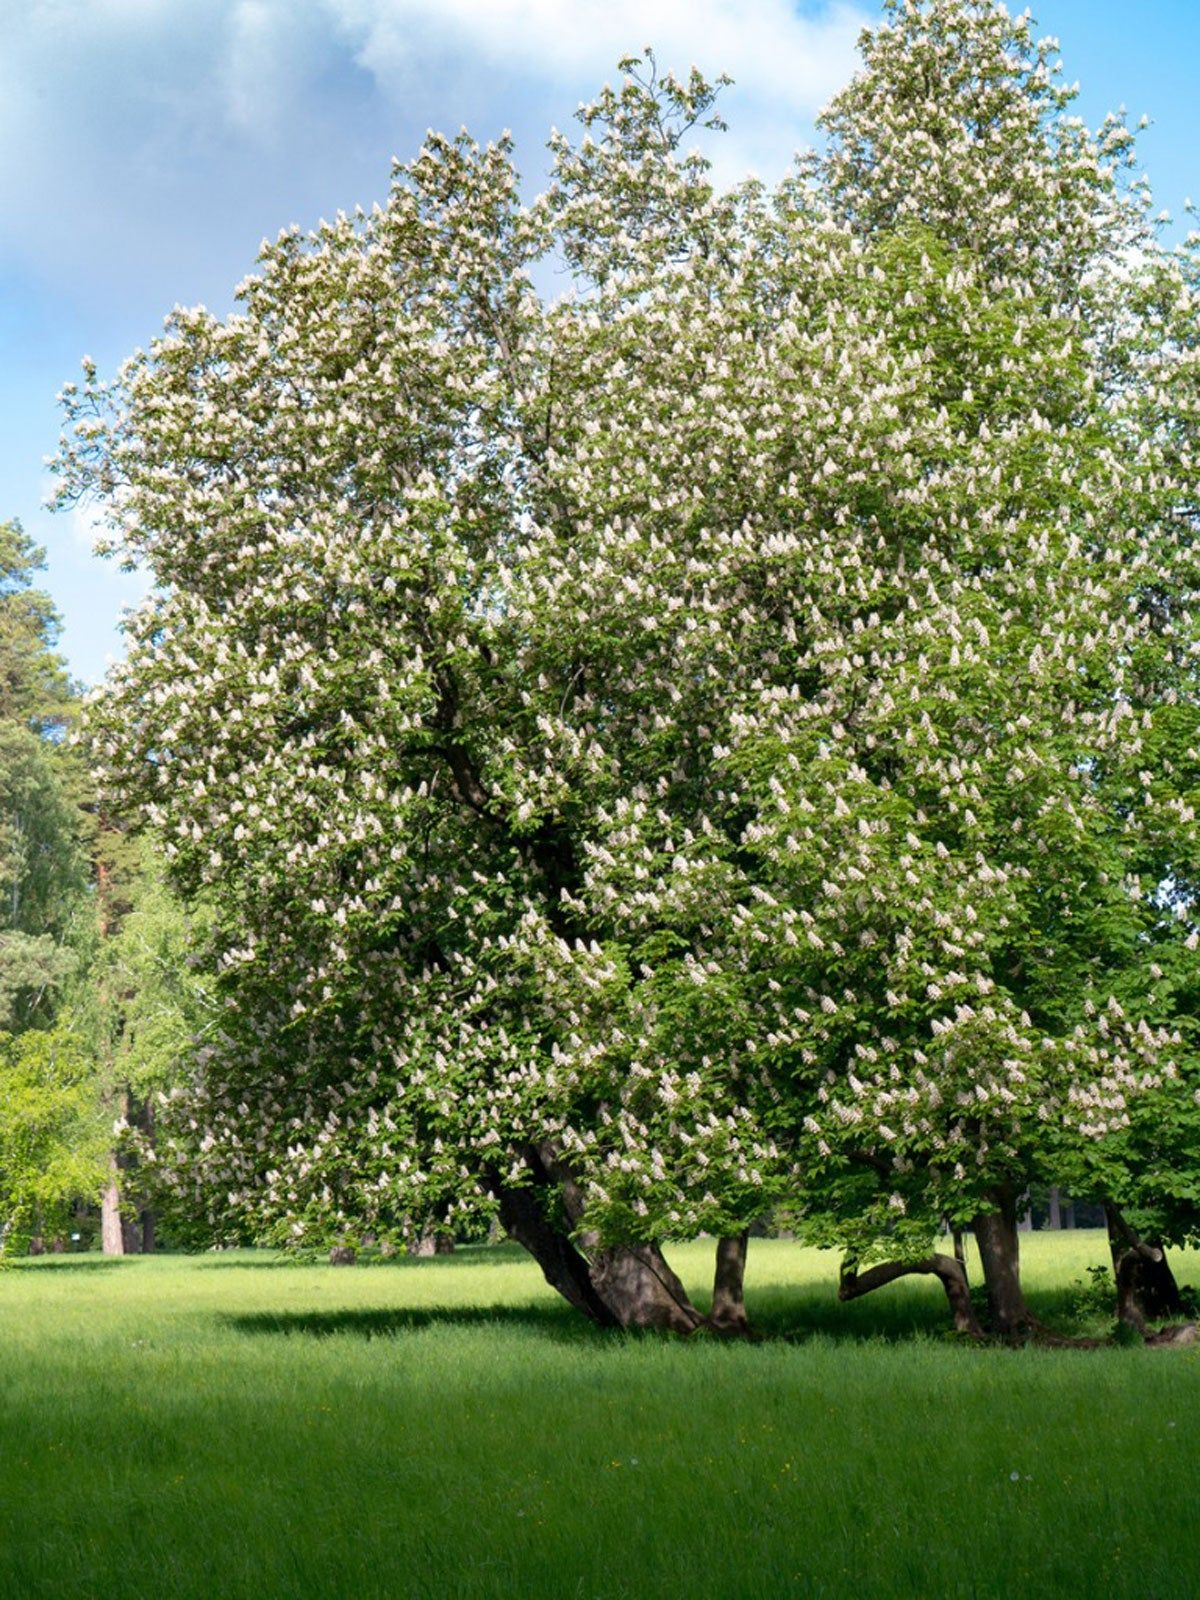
x=41 y=865
x=144 y=1008
x=48 y=1114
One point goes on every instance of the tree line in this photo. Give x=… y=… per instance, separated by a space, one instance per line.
x=98 y=1003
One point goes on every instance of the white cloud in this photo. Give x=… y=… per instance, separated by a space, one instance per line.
x=782 y=56
x=147 y=145
x=785 y=64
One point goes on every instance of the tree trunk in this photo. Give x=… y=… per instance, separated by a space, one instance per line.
x=640 y=1289
x=634 y=1281
x=616 y=1286
x=564 y=1269
x=1000 y=1257
x=1055 y=1218
x=432 y=1243
x=960 y=1250
x=728 y=1313
x=118 y=1237
x=149 y=1232
x=1146 y=1287
x=112 y=1236
x=853 y=1285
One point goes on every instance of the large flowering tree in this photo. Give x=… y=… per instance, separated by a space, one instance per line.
x=718 y=737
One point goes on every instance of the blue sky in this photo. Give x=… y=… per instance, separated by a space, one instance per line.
x=147 y=146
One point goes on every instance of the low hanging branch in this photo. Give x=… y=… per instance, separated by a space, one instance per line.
x=853 y=1285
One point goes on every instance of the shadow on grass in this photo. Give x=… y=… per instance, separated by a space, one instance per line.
x=781 y=1315
x=70 y=1263
x=562 y=1325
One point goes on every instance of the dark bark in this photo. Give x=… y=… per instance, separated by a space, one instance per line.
x=616 y=1286
x=1055 y=1207
x=641 y=1290
x=960 y=1250
x=634 y=1281
x=1000 y=1257
x=149 y=1232
x=1181 y=1333
x=728 y=1313
x=343 y=1255
x=563 y=1267
x=950 y=1273
x=1146 y=1287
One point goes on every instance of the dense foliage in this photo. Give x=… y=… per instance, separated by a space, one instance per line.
x=720 y=737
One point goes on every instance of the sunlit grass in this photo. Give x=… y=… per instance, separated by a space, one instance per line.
x=232 y=1426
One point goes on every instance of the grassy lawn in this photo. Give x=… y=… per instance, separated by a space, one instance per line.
x=236 y=1425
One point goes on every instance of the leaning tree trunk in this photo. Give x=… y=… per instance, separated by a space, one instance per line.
x=523 y=1218
x=852 y=1285
x=640 y=1289
x=1000 y=1257
x=634 y=1281
x=621 y=1286
x=1146 y=1287
x=728 y=1314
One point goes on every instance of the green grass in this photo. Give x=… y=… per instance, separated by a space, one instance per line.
x=232 y=1425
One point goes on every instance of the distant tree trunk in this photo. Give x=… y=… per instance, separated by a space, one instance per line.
x=728 y=1313
x=951 y=1274
x=146 y=1216
x=1000 y=1257
x=112 y=1235
x=119 y=1236
x=1055 y=1218
x=432 y=1241
x=1146 y=1287
x=1069 y=1213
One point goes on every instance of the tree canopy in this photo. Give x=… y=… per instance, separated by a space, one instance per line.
x=718 y=737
